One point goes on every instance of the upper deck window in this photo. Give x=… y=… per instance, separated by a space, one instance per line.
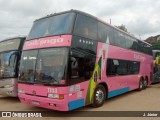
x=86 y=27
x=55 y=25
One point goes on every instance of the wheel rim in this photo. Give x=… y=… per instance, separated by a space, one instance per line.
x=99 y=96
x=141 y=85
x=145 y=83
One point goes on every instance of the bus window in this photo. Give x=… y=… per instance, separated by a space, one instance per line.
x=135 y=45
x=86 y=27
x=105 y=33
x=119 y=39
x=81 y=66
x=102 y=32
x=129 y=42
x=122 y=67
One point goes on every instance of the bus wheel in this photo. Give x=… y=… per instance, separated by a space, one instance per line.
x=145 y=83
x=99 y=96
x=141 y=84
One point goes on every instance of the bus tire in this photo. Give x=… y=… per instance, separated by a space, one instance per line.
x=141 y=84
x=145 y=83
x=99 y=96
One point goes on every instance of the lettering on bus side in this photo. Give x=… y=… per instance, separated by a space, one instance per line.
x=52 y=90
x=139 y=57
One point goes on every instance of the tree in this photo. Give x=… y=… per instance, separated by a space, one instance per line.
x=122 y=27
x=156 y=45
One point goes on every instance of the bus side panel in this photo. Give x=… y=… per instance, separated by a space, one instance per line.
x=121 y=84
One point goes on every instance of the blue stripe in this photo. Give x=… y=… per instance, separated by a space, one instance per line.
x=76 y=104
x=118 y=92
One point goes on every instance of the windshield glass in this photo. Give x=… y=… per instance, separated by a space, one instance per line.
x=44 y=66
x=55 y=25
x=7 y=70
x=9 y=45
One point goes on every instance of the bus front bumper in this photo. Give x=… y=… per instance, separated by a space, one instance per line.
x=44 y=102
x=8 y=92
x=8 y=87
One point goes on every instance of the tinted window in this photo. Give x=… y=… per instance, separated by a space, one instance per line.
x=148 y=49
x=86 y=26
x=54 y=25
x=119 y=39
x=129 y=42
x=105 y=33
x=135 y=45
x=122 y=67
x=81 y=66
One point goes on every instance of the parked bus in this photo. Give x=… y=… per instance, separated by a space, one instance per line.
x=72 y=59
x=10 y=52
x=156 y=73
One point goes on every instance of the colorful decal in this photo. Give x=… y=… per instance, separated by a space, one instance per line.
x=64 y=40
x=102 y=54
x=79 y=94
x=118 y=92
x=72 y=89
x=96 y=77
x=76 y=104
x=77 y=88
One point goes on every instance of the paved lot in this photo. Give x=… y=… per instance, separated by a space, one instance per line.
x=146 y=100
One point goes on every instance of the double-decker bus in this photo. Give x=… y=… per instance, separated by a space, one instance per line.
x=10 y=52
x=156 y=73
x=72 y=59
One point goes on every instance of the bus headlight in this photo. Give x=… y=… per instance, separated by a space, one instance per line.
x=21 y=91
x=56 y=96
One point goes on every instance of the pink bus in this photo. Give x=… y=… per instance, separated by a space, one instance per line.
x=72 y=59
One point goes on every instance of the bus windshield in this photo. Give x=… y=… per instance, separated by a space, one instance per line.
x=7 y=70
x=54 y=25
x=44 y=66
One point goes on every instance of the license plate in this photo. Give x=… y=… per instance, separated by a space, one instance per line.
x=35 y=103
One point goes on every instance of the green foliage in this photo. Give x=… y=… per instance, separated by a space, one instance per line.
x=122 y=27
x=156 y=45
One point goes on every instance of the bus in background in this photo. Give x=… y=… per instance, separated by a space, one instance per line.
x=10 y=53
x=72 y=59
x=156 y=64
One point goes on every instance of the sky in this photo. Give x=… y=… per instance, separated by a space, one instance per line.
x=140 y=17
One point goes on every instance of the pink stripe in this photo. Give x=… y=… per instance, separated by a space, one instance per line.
x=63 y=40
